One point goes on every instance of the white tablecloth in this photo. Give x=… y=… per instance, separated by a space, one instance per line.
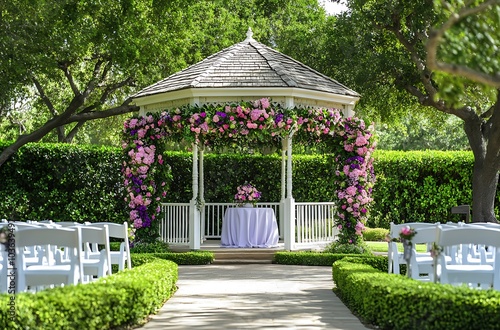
x=248 y=227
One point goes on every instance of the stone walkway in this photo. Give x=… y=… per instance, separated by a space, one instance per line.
x=254 y=296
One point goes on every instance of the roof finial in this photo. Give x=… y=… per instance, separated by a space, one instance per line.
x=249 y=35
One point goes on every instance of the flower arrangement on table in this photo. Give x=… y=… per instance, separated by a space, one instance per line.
x=247 y=194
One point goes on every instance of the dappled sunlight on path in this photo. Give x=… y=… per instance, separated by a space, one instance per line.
x=255 y=296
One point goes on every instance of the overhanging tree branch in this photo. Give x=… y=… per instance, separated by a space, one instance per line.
x=436 y=38
x=64 y=119
x=120 y=110
x=64 y=66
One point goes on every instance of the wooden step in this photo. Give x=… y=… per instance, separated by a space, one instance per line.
x=244 y=256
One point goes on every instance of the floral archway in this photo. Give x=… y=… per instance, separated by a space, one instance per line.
x=250 y=123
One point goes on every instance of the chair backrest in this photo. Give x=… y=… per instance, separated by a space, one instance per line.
x=395 y=229
x=94 y=234
x=69 y=238
x=484 y=224
x=118 y=231
x=115 y=230
x=67 y=223
x=425 y=235
x=468 y=235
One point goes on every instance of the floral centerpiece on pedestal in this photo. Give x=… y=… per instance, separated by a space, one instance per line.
x=247 y=194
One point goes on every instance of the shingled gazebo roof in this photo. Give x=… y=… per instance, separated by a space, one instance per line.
x=244 y=71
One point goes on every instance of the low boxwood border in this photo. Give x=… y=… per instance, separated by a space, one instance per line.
x=180 y=258
x=125 y=298
x=391 y=301
x=308 y=258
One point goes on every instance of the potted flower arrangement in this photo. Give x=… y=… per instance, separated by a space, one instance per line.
x=247 y=195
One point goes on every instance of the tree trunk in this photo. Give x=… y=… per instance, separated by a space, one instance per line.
x=484 y=139
x=484 y=189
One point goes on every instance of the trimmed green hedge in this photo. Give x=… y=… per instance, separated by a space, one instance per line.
x=125 y=298
x=84 y=183
x=327 y=259
x=391 y=301
x=375 y=234
x=64 y=183
x=180 y=258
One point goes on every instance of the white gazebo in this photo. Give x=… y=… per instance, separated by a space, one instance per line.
x=246 y=71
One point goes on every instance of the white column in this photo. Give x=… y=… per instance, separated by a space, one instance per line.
x=202 y=195
x=348 y=110
x=194 y=214
x=283 y=187
x=289 y=221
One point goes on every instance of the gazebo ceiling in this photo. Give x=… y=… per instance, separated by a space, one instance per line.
x=247 y=71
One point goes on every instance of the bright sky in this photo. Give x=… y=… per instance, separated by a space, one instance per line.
x=331 y=7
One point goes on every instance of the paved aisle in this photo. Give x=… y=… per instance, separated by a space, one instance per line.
x=256 y=296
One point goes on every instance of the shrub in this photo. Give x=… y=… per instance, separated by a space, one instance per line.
x=390 y=301
x=327 y=259
x=180 y=258
x=337 y=247
x=375 y=234
x=155 y=247
x=121 y=299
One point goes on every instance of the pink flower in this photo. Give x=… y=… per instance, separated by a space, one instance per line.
x=361 y=141
x=137 y=223
x=359 y=228
x=351 y=190
x=406 y=230
x=265 y=103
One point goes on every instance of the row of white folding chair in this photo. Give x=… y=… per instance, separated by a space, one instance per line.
x=421 y=264
x=118 y=231
x=96 y=267
x=477 y=275
x=42 y=275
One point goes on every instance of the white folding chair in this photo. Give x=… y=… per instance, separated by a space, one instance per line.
x=422 y=264
x=395 y=258
x=30 y=276
x=121 y=232
x=460 y=271
x=100 y=266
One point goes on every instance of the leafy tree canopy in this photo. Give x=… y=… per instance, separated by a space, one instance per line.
x=73 y=61
x=414 y=51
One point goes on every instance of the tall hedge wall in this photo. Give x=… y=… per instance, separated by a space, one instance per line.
x=83 y=183
x=64 y=183
x=421 y=186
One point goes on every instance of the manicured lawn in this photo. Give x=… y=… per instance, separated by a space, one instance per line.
x=382 y=247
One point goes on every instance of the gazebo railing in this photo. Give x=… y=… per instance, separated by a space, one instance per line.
x=314 y=222
x=174 y=223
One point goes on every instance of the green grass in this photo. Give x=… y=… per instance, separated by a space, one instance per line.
x=382 y=247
